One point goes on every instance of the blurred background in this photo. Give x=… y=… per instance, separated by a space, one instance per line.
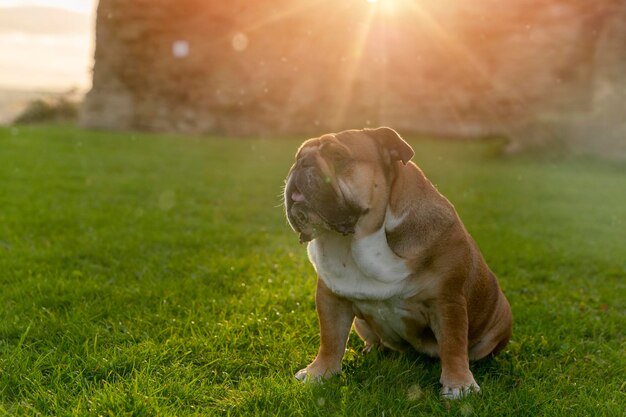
x=155 y=273
x=540 y=73
x=46 y=50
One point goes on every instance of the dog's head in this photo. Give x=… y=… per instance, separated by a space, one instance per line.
x=337 y=178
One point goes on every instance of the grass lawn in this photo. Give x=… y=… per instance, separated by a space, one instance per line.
x=154 y=275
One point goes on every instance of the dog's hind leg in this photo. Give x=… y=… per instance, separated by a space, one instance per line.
x=365 y=332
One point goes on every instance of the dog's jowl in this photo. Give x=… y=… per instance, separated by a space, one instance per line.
x=392 y=258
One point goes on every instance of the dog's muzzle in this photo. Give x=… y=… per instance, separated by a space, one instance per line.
x=312 y=204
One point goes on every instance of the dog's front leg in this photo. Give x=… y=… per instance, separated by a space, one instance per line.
x=451 y=332
x=335 y=316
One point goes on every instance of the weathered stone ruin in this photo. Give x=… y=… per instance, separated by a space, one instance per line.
x=446 y=67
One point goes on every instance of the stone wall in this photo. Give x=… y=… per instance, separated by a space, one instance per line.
x=448 y=67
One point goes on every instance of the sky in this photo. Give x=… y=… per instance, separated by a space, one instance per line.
x=81 y=6
x=38 y=53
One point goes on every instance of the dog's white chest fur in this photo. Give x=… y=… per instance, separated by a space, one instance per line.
x=364 y=269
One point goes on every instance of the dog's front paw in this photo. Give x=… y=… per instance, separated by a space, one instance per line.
x=302 y=375
x=456 y=392
x=314 y=373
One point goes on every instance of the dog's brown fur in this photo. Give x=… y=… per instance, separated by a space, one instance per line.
x=457 y=313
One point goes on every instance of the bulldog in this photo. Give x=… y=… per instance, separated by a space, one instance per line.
x=392 y=258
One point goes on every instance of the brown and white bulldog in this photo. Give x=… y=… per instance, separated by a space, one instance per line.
x=392 y=257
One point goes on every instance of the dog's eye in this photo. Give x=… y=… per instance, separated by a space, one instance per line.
x=335 y=154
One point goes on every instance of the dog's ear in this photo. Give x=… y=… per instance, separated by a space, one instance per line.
x=390 y=140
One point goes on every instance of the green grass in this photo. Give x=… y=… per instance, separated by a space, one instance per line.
x=154 y=275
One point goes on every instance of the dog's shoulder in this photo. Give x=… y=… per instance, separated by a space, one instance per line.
x=418 y=215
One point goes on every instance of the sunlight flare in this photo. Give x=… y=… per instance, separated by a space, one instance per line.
x=458 y=48
x=345 y=89
x=387 y=6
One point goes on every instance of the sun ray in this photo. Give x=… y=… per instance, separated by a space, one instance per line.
x=292 y=11
x=297 y=8
x=344 y=93
x=290 y=110
x=457 y=47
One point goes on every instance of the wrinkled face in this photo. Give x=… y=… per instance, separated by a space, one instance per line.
x=332 y=183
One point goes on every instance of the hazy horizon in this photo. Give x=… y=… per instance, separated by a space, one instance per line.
x=46 y=45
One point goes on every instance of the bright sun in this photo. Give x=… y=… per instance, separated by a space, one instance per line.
x=386 y=6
